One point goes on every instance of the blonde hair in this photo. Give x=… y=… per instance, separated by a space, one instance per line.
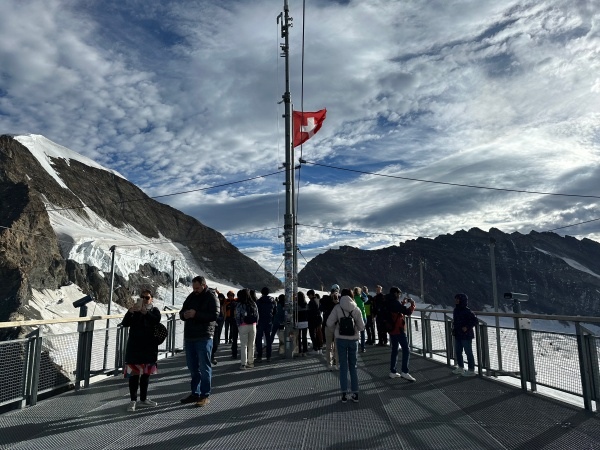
x=357 y=291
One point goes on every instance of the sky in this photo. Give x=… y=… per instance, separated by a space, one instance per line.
x=183 y=95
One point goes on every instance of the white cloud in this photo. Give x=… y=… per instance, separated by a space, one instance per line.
x=180 y=96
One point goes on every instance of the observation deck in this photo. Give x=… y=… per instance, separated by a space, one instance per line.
x=295 y=404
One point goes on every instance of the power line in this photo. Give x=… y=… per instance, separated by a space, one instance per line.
x=302 y=161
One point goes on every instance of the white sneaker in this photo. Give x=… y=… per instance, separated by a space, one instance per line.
x=131 y=406
x=458 y=371
x=469 y=373
x=407 y=376
x=394 y=375
x=243 y=367
x=147 y=403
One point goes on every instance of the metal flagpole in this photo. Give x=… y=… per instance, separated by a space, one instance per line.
x=110 y=297
x=289 y=220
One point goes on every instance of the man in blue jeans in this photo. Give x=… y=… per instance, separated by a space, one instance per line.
x=396 y=311
x=199 y=313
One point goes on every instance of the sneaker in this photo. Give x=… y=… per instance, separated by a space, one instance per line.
x=355 y=397
x=192 y=398
x=394 y=375
x=469 y=373
x=242 y=367
x=131 y=406
x=249 y=366
x=458 y=371
x=407 y=376
x=202 y=401
x=147 y=403
x=344 y=398
x=363 y=350
x=214 y=362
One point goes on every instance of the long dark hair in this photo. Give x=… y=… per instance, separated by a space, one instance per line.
x=301 y=299
x=243 y=296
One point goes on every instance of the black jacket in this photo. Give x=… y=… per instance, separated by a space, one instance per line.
x=206 y=305
x=267 y=307
x=141 y=348
x=314 y=315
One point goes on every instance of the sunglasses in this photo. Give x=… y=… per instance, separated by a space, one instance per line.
x=145 y=297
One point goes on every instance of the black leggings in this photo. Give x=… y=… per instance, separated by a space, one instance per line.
x=134 y=382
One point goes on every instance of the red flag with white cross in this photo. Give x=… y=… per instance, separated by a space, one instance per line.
x=306 y=125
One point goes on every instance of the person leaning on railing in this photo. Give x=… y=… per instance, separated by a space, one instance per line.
x=141 y=353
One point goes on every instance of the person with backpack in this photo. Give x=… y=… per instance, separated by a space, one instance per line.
x=463 y=322
x=348 y=322
x=246 y=317
x=266 y=312
x=395 y=324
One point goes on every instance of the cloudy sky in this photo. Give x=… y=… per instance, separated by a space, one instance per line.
x=183 y=95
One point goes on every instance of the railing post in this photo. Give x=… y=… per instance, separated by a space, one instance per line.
x=449 y=346
x=34 y=356
x=88 y=351
x=26 y=373
x=478 y=344
x=118 y=350
x=588 y=366
x=484 y=347
x=424 y=322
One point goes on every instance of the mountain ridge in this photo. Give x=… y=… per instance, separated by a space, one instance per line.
x=538 y=264
x=34 y=256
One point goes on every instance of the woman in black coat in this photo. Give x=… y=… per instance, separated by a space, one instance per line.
x=141 y=353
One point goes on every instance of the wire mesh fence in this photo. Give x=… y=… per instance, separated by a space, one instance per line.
x=13 y=364
x=58 y=361
x=557 y=361
x=507 y=359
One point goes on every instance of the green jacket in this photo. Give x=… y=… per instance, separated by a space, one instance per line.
x=361 y=305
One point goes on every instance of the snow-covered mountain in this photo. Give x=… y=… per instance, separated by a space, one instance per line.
x=60 y=215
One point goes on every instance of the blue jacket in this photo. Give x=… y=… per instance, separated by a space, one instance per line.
x=464 y=317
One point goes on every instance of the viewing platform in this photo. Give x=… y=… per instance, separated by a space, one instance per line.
x=295 y=404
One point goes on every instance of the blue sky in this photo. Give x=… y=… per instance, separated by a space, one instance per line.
x=184 y=95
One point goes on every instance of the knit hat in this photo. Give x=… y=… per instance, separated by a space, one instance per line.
x=335 y=287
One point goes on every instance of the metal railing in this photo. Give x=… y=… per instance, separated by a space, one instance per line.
x=563 y=362
x=43 y=362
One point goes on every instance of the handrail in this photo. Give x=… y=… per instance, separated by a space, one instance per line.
x=25 y=323
x=588 y=319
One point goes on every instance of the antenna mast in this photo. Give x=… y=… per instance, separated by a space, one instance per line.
x=289 y=232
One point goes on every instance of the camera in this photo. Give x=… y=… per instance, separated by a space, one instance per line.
x=82 y=301
x=516 y=296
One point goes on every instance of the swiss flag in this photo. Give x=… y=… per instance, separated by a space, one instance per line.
x=306 y=124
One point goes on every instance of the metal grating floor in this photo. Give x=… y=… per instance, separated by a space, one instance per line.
x=295 y=404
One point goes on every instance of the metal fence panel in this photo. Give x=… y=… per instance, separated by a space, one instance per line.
x=557 y=361
x=58 y=360
x=13 y=363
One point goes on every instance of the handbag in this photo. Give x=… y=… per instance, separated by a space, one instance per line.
x=160 y=333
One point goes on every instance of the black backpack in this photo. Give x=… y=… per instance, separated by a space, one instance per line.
x=251 y=313
x=346 y=324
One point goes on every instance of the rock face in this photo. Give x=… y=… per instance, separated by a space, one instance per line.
x=30 y=255
x=561 y=275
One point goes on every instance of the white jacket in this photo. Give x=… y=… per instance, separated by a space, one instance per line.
x=346 y=306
